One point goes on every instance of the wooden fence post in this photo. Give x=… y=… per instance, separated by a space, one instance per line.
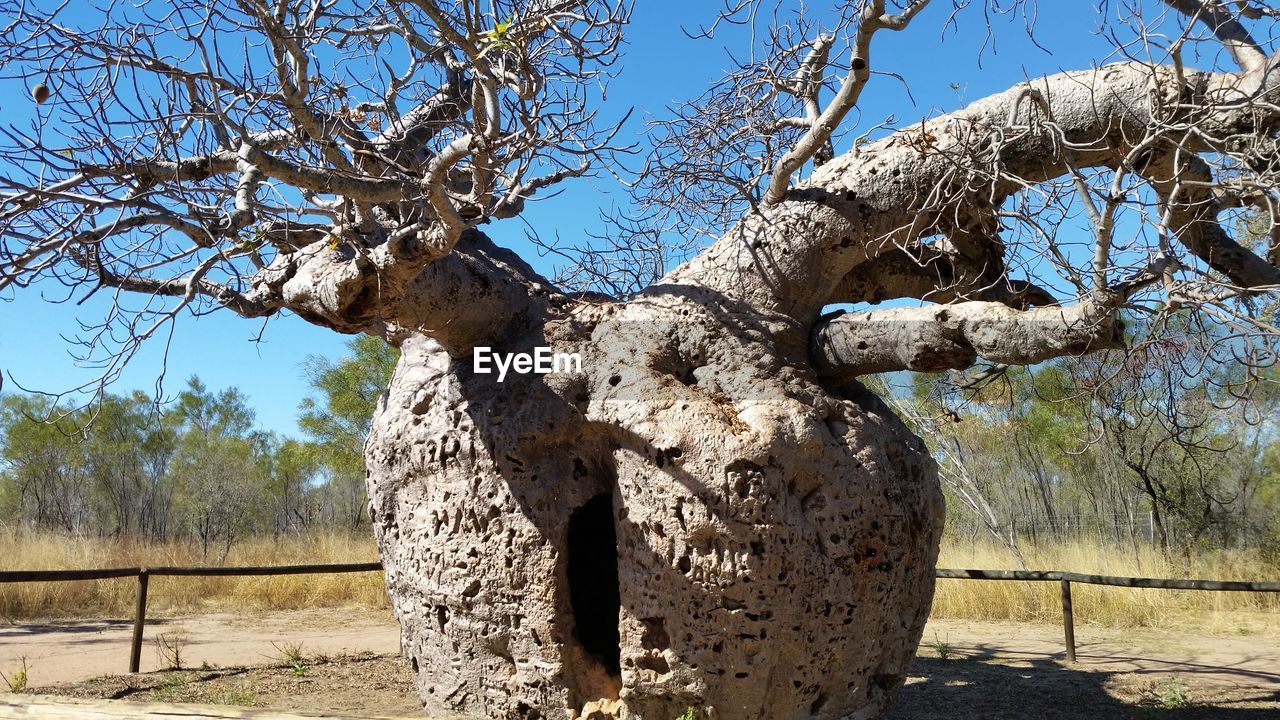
x=1068 y=621
x=139 y=620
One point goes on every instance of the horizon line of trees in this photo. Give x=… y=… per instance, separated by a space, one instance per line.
x=1168 y=444
x=196 y=469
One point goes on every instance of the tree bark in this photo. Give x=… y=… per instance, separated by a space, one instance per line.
x=713 y=513
x=772 y=541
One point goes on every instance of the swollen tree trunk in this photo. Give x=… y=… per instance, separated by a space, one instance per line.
x=693 y=522
x=713 y=513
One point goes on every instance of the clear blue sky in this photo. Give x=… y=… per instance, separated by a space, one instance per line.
x=661 y=66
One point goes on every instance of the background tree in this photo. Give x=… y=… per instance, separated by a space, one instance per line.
x=775 y=523
x=336 y=420
x=44 y=465
x=1111 y=449
x=196 y=468
x=128 y=456
x=219 y=468
x=292 y=472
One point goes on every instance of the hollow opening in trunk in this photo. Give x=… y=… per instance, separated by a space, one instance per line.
x=593 y=581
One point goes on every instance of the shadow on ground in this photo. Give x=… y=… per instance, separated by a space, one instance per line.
x=978 y=683
x=74 y=633
x=26 y=628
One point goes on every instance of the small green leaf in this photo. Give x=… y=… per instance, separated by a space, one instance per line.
x=497 y=37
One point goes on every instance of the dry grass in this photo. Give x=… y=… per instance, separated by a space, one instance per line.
x=115 y=598
x=1242 y=613
x=1224 y=612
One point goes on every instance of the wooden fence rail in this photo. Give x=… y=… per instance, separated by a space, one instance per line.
x=1064 y=579
x=143 y=574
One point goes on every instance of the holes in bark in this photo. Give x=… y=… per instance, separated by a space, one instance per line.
x=593 y=581
x=654 y=635
x=681 y=368
x=656 y=663
x=472 y=590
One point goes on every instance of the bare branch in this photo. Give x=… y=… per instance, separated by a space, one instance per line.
x=1215 y=15
x=873 y=19
x=955 y=336
x=234 y=184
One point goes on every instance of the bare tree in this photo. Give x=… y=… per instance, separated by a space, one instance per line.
x=775 y=524
x=963 y=475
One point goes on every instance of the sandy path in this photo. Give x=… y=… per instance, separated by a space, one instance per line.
x=75 y=650
x=1008 y=671
x=1252 y=661
x=70 y=651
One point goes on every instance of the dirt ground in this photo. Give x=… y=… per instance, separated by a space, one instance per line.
x=62 y=651
x=998 y=671
x=964 y=669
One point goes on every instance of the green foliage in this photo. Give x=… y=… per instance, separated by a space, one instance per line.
x=689 y=714
x=17 y=681
x=336 y=418
x=291 y=654
x=181 y=687
x=220 y=466
x=128 y=467
x=197 y=467
x=205 y=414
x=499 y=37
x=1172 y=694
x=291 y=483
x=43 y=462
x=172 y=688
x=942 y=648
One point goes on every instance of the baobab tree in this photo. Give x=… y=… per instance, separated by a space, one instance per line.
x=711 y=512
